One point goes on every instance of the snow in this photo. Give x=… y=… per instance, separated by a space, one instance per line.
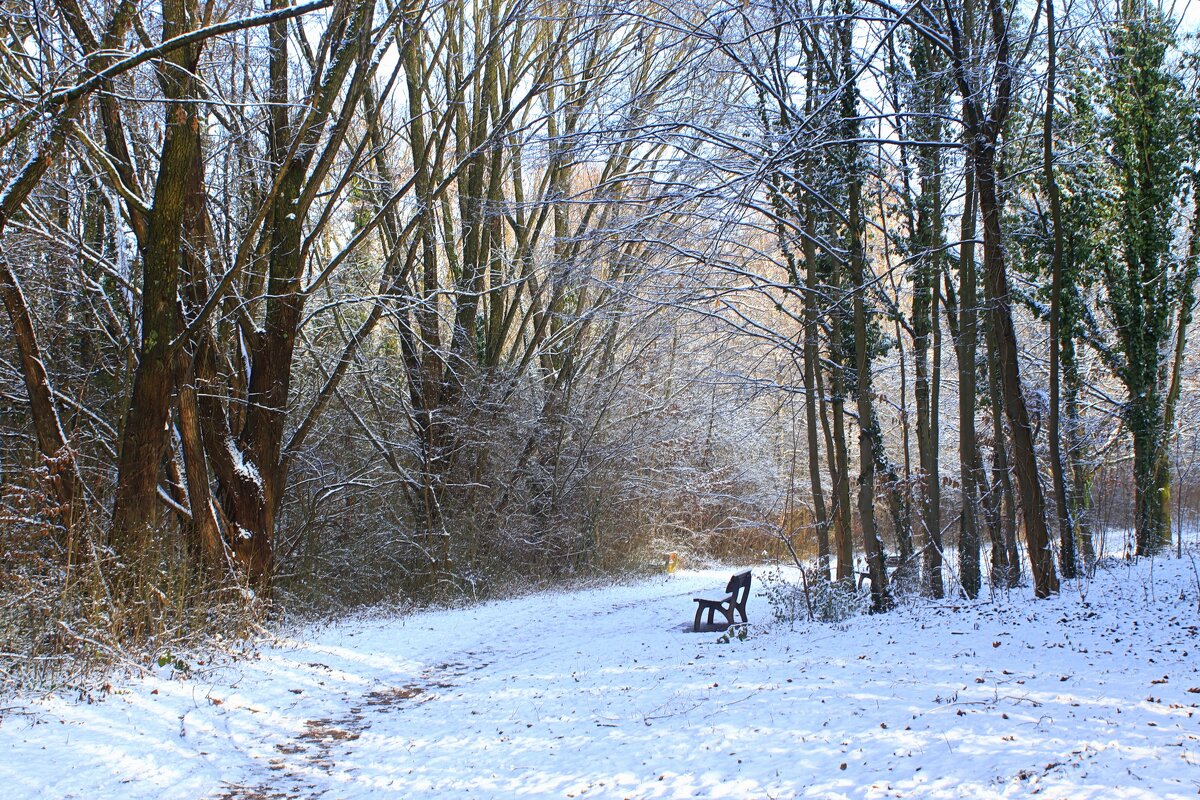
x=603 y=694
x=245 y=469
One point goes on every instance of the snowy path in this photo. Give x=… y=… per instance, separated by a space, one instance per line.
x=602 y=694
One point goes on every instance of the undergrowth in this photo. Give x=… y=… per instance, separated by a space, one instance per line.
x=71 y=614
x=807 y=596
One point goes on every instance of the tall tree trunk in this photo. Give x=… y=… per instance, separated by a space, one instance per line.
x=927 y=445
x=811 y=365
x=908 y=572
x=425 y=362
x=206 y=541
x=983 y=128
x=868 y=427
x=926 y=324
x=252 y=501
x=969 y=459
x=1081 y=473
x=843 y=544
x=1187 y=303
x=996 y=291
x=869 y=437
x=140 y=462
x=1066 y=526
x=1007 y=562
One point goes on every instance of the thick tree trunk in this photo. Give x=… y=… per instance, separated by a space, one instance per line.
x=206 y=541
x=239 y=487
x=253 y=497
x=1151 y=478
x=139 y=465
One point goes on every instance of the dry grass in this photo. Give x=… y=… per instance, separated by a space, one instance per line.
x=70 y=613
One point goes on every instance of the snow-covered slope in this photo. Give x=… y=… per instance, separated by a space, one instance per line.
x=1093 y=694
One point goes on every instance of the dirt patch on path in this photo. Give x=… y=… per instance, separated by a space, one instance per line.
x=314 y=751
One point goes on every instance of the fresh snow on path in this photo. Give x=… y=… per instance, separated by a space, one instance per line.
x=602 y=694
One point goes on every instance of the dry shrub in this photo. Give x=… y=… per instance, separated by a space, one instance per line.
x=69 y=612
x=532 y=492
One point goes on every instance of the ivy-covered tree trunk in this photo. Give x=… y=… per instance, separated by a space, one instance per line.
x=1082 y=474
x=1152 y=480
x=1146 y=129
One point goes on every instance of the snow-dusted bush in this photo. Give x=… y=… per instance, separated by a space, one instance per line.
x=794 y=597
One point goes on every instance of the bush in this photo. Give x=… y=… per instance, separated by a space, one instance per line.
x=812 y=597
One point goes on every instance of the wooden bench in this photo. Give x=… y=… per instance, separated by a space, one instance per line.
x=738 y=590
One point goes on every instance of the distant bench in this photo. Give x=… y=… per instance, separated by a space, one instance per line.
x=738 y=590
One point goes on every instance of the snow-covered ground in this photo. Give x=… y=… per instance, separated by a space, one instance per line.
x=602 y=693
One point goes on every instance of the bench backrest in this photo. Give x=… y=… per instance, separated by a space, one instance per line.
x=739 y=587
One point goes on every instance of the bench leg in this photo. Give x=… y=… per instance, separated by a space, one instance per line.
x=729 y=612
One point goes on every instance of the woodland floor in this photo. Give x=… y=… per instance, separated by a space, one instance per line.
x=602 y=693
